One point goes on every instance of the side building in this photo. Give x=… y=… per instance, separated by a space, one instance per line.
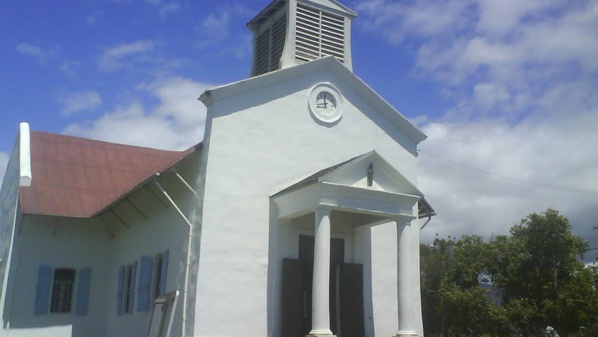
x=94 y=239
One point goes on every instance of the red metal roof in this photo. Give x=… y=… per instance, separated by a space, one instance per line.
x=78 y=177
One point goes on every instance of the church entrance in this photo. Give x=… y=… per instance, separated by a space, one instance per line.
x=346 y=292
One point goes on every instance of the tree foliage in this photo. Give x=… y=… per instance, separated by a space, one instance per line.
x=535 y=271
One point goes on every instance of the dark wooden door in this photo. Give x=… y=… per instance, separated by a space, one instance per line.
x=351 y=300
x=292 y=299
x=346 y=292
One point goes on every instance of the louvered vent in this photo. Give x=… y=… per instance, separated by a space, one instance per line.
x=318 y=34
x=269 y=46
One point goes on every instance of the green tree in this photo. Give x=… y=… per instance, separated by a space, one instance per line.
x=435 y=259
x=536 y=270
x=454 y=304
x=541 y=279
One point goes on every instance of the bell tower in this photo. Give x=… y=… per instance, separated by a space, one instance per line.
x=291 y=32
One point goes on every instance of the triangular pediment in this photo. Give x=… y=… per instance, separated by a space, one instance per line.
x=322 y=67
x=370 y=171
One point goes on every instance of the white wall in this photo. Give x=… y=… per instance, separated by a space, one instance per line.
x=66 y=244
x=163 y=230
x=384 y=279
x=8 y=217
x=269 y=143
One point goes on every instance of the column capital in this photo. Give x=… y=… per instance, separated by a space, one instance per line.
x=402 y=221
x=323 y=209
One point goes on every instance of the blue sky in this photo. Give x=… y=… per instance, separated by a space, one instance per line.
x=506 y=90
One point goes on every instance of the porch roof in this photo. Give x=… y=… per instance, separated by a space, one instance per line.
x=424 y=207
x=78 y=177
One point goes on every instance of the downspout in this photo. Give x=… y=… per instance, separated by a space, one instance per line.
x=426 y=223
x=187 y=264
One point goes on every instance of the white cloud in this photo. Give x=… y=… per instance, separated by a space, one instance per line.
x=80 y=101
x=216 y=25
x=179 y=100
x=3 y=163
x=463 y=170
x=175 y=124
x=93 y=17
x=115 y=58
x=522 y=76
x=490 y=95
x=168 y=9
x=165 y=7
x=498 y=17
x=39 y=53
x=69 y=68
x=215 y=32
x=395 y=19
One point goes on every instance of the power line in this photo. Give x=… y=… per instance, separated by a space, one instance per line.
x=507 y=177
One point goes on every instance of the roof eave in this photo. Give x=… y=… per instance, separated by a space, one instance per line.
x=273 y=6
x=188 y=153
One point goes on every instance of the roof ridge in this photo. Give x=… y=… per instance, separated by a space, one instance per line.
x=99 y=141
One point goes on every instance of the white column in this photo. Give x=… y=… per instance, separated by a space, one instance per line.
x=405 y=287
x=320 y=302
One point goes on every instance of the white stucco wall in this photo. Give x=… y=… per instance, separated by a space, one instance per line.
x=8 y=217
x=384 y=279
x=163 y=230
x=69 y=244
x=258 y=143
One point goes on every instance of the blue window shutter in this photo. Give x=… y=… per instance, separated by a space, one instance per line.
x=119 y=291
x=132 y=289
x=163 y=272
x=43 y=289
x=145 y=282
x=83 y=288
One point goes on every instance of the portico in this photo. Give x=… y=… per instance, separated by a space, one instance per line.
x=369 y=192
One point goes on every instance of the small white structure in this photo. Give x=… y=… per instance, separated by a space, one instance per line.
x=294 y=216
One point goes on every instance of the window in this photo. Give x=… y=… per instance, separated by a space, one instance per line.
x=57 y=289
x=161 y=273
x=151 y=283
x=62 y=290
x=152 y=279
x=126 y=288
x=158 y=277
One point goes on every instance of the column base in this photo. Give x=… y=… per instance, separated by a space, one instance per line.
x=318 y=333
x=406 y=334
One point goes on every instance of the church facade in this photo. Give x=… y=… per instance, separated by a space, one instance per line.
x=296 y=215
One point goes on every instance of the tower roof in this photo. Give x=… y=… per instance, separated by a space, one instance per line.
x=275 y=5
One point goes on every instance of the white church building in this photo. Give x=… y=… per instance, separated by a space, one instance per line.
x=297 y=215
